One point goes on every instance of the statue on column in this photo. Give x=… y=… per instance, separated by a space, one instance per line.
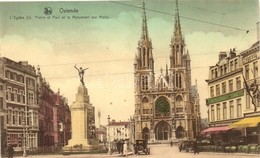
x=81 y=74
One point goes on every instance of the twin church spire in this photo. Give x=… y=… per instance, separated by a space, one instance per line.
x=144 y=57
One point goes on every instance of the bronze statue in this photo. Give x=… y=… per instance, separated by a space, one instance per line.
x=81 y=74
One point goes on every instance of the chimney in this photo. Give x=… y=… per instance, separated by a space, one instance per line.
x=222 y=55
x=257 y=28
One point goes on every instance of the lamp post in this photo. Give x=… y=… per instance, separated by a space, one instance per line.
x=24 y=149
x=108 y=129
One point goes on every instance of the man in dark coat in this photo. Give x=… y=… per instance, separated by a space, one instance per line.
x=195 y=147
x=10 y=151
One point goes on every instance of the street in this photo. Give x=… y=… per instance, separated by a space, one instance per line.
x=159 y=151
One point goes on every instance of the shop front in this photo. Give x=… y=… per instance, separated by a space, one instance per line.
x=251 y=128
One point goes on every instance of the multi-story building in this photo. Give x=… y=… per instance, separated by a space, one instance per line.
x=118 y=131
x=2 y=114
x=21 y=113
x=164 y=108
x=225 y=89
x=234 y=93
x=61 y=120
x=251 y=109
x=46 y=102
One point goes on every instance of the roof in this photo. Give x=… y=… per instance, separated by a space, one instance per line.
x=118 y=123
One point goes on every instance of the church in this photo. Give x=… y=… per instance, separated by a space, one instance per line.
x=167 y=107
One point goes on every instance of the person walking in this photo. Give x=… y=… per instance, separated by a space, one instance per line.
x=10 y=151
x=195 y=147
x=125 y=149
x=171 y=143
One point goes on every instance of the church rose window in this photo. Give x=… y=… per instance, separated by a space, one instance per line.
x=162 y=107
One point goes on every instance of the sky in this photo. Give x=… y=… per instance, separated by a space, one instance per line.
x=105 y=41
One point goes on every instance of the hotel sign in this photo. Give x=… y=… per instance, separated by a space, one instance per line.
x=226 y=97
x=249 y=58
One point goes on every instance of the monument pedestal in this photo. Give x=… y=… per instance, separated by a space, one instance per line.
x=82 y=123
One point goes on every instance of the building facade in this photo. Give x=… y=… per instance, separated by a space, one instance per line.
x=118 y=131
x=21 y=113
x=226 y=90
x=164 y=107
x=234 y=100
x=46 y=103
x=61 y=120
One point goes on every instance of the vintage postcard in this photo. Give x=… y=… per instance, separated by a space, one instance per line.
x=85 y=76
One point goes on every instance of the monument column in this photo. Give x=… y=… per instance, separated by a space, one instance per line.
x=82 y=121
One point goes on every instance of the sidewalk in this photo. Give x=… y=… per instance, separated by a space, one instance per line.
x=115 y=154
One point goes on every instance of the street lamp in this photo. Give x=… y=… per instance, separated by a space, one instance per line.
x=24 y=149
x=108 y=128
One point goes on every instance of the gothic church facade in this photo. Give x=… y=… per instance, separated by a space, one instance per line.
x=167 y=107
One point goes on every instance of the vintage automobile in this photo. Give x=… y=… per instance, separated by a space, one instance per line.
x=141 y=146
x=186 y=145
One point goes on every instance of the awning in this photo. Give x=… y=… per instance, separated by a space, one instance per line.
x=215 y=130
x=246 y=122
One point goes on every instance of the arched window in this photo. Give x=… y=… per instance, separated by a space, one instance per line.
x=179 y=104
x=144 y=83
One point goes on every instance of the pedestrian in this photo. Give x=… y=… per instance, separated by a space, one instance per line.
x=125 y=149
x=10 y=151
x=118 y=145
x=195 y=147
x=171 y=143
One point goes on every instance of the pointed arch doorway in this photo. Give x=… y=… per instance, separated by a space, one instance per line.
x=145 y=133
x=162 y=131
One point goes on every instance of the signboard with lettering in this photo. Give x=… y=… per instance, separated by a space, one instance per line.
x=226 y=97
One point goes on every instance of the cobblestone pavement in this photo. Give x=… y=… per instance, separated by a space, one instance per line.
x=157 y=151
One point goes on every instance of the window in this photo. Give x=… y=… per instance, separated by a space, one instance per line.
x=224 y=110
x=224 y=88
x=15 y=94
x=144 y=83
x=7 y=74
x=30 y=98
x=231 y=65
x=14 y=117
x=231 y=109
x=178 y=81
x=236 y=64
x=216 y=73
x=212 y=74
x=218 y=111
x=255 y=69
x=225 y=69
x=239 y=108
x=217 y=90
x=221 y=70
x=212 y=113
x=238 y=83
x=247 y=101
x=19 y=117
x=247 y=72
x=230 y=83
x=22 y=96
x=211 y=91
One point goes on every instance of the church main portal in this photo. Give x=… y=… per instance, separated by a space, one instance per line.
x=162 y=131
